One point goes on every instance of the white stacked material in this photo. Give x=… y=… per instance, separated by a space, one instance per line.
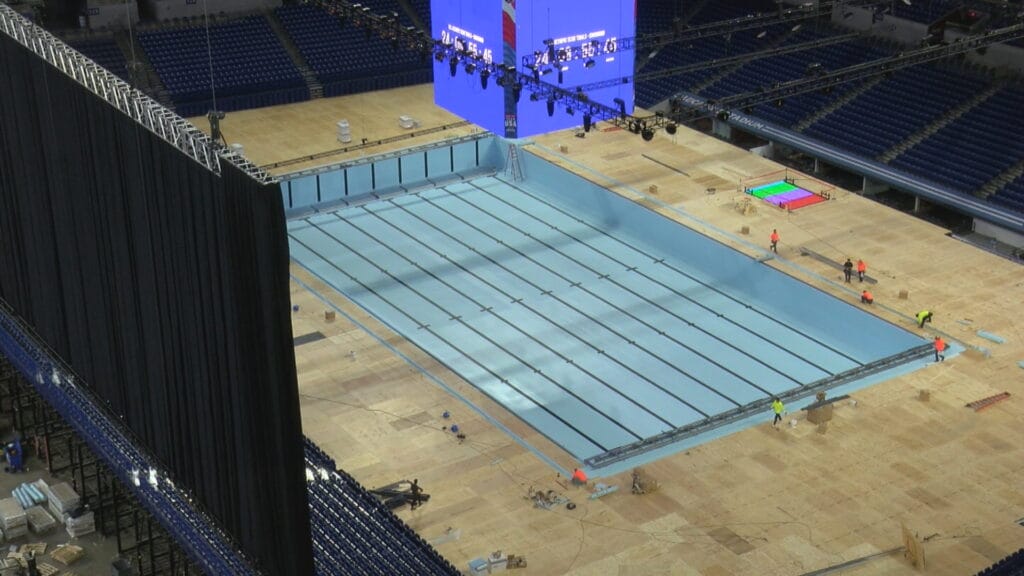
x=62 y=499
x=84 y=524
x=344 y=132
x=12 y=518
x=39 y=520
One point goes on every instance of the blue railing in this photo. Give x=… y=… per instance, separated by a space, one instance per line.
x=209 y=547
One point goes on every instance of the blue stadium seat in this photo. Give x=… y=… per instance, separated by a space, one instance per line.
x=106 y=53
x=354 y=533
x=346 y=59
x=250 y=66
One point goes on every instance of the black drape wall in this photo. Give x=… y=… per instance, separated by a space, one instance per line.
x=166 y=288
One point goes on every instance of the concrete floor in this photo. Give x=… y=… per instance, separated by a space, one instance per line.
x=98 y=550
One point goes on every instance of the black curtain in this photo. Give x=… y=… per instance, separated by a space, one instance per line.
x=165 y=287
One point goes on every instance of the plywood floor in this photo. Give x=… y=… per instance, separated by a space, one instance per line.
x=758 y=502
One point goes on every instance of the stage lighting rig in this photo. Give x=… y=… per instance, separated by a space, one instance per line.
x=215 y=116
x=622 y=107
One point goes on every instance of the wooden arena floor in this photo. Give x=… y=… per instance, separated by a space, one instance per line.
x=758 y=502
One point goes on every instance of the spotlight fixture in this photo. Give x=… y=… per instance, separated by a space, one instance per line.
x=453 y=65
x=588 y=121
x=647 y=134
x=545 y=72
x=534 y=97
x=670 y=128
x=562 y=55
x=484 y=75
x=622 y=107
x=569 y=110
x=634 y=127
x=551 y=54
x=551 y=106
x=589 y=64
x=470 y=68
x=723 y=115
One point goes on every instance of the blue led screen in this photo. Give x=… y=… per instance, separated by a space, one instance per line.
x=563 y=42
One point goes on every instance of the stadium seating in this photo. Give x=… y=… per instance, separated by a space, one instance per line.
x=974 y=148
x=422 y=9
x=1011 y=196
x=657 y=19
x=354 y=533
x=347 y=59
x=1012 y=565
x=250 y=66
x=895 y=108
x=106 y=53
x=964 y=155
x=925 y=12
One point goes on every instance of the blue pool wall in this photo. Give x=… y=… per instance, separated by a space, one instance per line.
x=387 y=173
x=790 y=300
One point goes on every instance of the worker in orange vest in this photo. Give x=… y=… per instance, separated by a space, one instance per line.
x=867 y=298
x=940 y=347
x=579 y=478
x=861 y=269
x=775 y=241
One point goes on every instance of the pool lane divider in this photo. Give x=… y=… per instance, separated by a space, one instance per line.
x=427 y=374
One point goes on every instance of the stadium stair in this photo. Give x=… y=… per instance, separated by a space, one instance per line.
x=838 y=103
x=939 y=123
x=1001 y=181
x=316 y=89
x=691 y=10
x=149 y=81
x=410 y=11
x=775 y=40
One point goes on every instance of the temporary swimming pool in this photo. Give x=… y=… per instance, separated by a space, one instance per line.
x=608 y=328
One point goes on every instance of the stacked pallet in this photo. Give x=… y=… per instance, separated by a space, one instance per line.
x=39 y=520
x=62 y=499
x=81 y=525
x=13 y=519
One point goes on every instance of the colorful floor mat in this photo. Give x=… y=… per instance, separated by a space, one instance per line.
x=785 y=195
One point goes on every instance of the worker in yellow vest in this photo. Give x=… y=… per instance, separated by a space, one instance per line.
x=778 y=407
x=922 y=317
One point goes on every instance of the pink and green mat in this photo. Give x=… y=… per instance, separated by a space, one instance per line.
x=785 y=195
